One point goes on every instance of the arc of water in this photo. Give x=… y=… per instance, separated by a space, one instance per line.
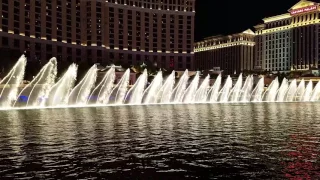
x=134 y=95
x=214 y=91
x=224 y=92
x=316 y=93
x=178 y=91
x=300 y=91
x=202 y=92
x=118 y=93
x=308 y=92
x=150 y=94
x=282 y=90
x=236 y=90
x=190 y=92
x=247 y=89
x=256 y=95
x=165 y=92
x=13 y=79
x=104 y=88
x=59 y=92
x=80 y=93
x=45 y=78
x=271 y=92
x=291 y=91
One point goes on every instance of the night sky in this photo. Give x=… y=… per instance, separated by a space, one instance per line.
x=215 y=17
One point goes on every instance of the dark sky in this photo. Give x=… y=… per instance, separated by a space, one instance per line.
x=215 y=17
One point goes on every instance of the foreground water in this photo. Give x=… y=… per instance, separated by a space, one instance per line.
x=218 y=141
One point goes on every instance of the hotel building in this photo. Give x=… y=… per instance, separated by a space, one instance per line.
x=290 y=41
x=101 y=31
x=231 y=54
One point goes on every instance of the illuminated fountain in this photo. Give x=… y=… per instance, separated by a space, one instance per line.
x=80 y=94
x=235 y=93
x=59 y=93
x=178 y=92
x=291 y=91
x=282 y=90
x=101 y=94
x=165 y=92
x=247 y=89
x=256 y=95
x=150 y=94
x=271 y=93
x=202 y=92
x=190 y=93
x=44 y=91
x=308 y=92
x=134 y=95
x=315 y=96
x=214 y=91
x=118 y=93
x=10 y=84
x=38 y=90
x=224 y=92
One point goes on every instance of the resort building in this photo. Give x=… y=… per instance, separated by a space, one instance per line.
x=290 y=41
x=100 y=31
x=230 y=54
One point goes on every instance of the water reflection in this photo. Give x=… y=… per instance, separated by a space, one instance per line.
x=263 y=140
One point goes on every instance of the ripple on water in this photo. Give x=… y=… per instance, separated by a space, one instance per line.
x=219 y=141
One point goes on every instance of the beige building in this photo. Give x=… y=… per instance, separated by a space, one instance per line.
x=230 y=54
x=290 y=41
x=100 y=31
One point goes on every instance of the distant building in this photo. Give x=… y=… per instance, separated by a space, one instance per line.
x=100 y=31
x=290 y=41
x=231 y=54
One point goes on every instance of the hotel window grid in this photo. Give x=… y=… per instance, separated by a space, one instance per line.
x=111 y=31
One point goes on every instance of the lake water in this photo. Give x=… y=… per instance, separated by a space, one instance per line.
x=217 y=141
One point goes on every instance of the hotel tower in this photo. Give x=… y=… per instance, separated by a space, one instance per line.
x=290 y=41
x=231 y=54
x=101 y=31
x=282 y=43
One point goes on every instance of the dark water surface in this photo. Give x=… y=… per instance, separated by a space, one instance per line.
x=219 y=141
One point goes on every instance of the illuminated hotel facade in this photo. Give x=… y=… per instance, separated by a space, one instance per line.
x=289 y=42
x=231 y=54
x=100 y=31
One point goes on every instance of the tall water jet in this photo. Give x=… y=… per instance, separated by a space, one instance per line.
x=316 y=93
x=177 y=94
x=164 y=94
x=234 y=95
x=308 y=92
x=59 y=92
x=150 y=94
x=224 y=92
x=246 y=89
x=101 y=94
x=190 y=93
x=134 y=95
x=256 y=95
x=282 y=90
x=118 y=93
x=11 y=82
x=38 y=90
x=271 y=92
x=202 y=92
x=80 y=94
x=290 y=94
x=300 y=91
x=214 y=91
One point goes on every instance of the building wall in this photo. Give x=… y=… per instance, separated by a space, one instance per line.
x=99 y=31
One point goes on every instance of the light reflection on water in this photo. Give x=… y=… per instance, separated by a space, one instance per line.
x=250 y=141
